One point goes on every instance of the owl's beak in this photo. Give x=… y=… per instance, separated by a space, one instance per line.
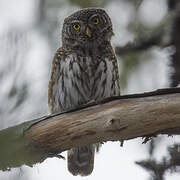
x=88 y=32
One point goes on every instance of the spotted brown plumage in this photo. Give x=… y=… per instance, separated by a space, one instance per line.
x=84 y=69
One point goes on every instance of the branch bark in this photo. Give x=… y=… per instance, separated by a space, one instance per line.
x=118 y=118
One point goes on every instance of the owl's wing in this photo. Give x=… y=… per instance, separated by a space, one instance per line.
x=65 y=90
x=115 y=86
x=106 y=77
x=55 y=74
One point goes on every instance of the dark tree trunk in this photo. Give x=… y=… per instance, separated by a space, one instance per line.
x=175 y=63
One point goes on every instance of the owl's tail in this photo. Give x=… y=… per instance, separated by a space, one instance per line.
x=81 y=160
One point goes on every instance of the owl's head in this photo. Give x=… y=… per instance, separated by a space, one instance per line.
x=86 y=28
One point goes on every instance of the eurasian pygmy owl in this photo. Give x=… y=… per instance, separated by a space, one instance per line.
x=84 y=69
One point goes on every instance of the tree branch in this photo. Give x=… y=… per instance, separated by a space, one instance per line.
x=118 y=118
x=142 y=44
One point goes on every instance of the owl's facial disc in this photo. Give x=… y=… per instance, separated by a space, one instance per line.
x=87 y=28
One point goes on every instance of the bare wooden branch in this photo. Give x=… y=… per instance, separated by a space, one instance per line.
x=143 y=44
x=122 y=118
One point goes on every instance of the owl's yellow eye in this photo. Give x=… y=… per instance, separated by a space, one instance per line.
x=96 y=21
x=76 y=27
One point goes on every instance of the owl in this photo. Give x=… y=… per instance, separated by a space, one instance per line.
x=84 y=69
